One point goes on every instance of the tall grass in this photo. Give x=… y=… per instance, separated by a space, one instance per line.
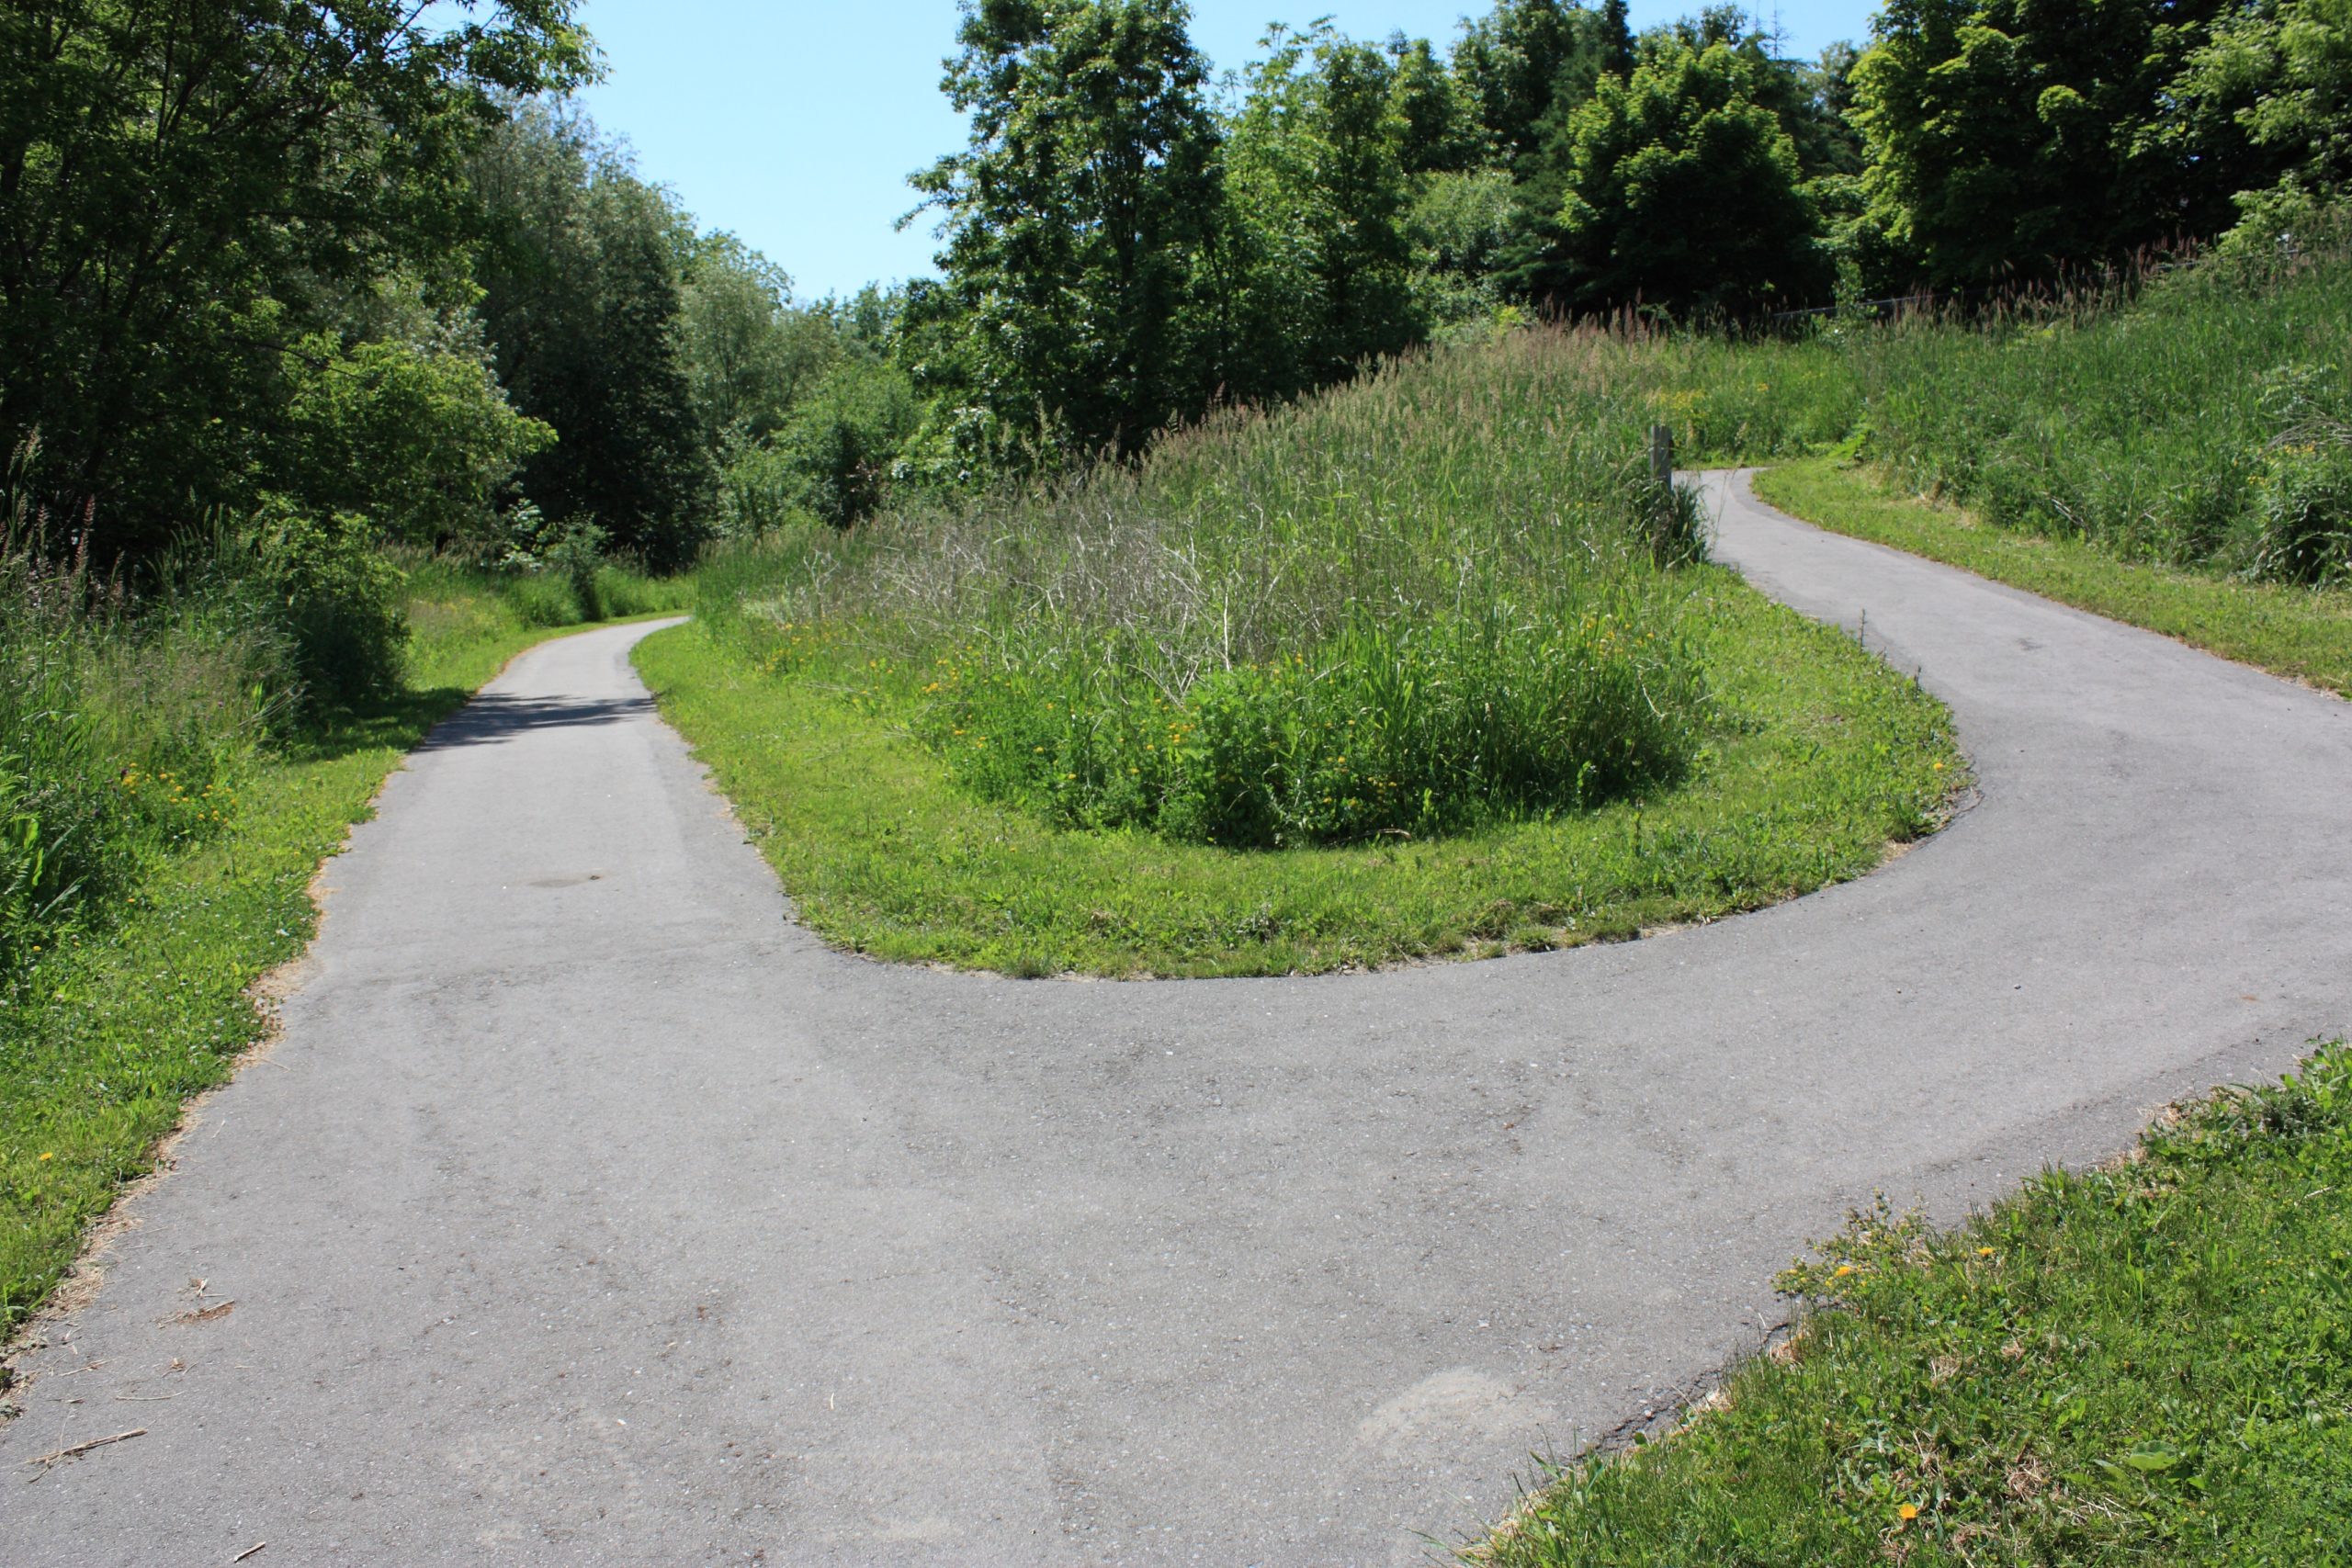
x=2194 y=416
x=120 y=735
x=1422 y=601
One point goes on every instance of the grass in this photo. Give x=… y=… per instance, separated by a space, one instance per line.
x=1420 y=666
x=115 y=1017
x=1818 y=759
x=2149 y=1363
x=2303 y=632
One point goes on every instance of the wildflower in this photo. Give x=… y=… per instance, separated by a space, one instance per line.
x=1983 y=1252
x=1844 y=1269
x=46 y=1154
x=1940 y=767
x=1908 y=1512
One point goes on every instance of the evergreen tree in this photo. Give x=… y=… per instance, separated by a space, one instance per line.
x=1439 y=126
x=1510 y=61
x=1682 y=189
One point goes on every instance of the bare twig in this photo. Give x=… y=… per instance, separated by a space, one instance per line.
x=76 y=1450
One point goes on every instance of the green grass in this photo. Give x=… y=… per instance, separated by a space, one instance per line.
x=114 y=1021
x=2146 y=1363
x=2303 y=633
x=1818 y=758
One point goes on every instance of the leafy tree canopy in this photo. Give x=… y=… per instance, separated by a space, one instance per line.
x=2010 y=138
x=187 y=190
x=1078 y=222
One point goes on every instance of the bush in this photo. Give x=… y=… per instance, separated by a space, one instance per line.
x=761 y=489
x=338 y=599
x=1406 y=731
x=841 y=441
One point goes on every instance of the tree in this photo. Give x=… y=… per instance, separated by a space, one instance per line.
x=184 y=190
x=1439 y=128
x=1510 y=61
x=2273 y=84
x=750 y=353
x=408 y=428
x=583 y=302
x=1682 y=189
x=2014 y=137
x=1319 y=194
x=1080 y=224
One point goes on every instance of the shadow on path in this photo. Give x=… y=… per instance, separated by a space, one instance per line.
x=496 y=717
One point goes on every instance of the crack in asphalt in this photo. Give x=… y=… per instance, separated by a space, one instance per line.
x=594 y=1212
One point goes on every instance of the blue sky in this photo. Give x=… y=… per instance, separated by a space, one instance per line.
x=796 y=125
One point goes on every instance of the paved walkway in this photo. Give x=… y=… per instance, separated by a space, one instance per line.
x=591 y=1211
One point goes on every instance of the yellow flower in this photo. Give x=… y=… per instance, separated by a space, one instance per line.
x=1906 y=1512
x=1983 y=1252
x=1844 y=1269
x=46 y=1154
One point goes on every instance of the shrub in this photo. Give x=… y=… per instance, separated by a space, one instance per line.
x=842 y=442
x=1408 y=731
x=2304 y=485
x=338 y=599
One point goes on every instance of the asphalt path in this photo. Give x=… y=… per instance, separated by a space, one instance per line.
x=589 y=1211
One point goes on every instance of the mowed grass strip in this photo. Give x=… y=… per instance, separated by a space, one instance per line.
x=1818 y=759
x=2146 y=1363
x=2303 y=632
x=105 y=1033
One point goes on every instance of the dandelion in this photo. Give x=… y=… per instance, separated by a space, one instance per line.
x=46 y=1154
x=1983 y=1252
x=1908 y=1512
x=1844 y=1269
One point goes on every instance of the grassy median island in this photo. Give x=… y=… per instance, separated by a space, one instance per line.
x=2149 y=1363
x=201 y=816
x=1417 y=667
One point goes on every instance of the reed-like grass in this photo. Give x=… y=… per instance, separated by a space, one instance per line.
x=122 y=736
x=1430 y=601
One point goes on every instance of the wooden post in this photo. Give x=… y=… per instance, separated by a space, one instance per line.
x=1661 y=492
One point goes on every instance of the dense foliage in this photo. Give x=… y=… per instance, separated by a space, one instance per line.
x=366 y=267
